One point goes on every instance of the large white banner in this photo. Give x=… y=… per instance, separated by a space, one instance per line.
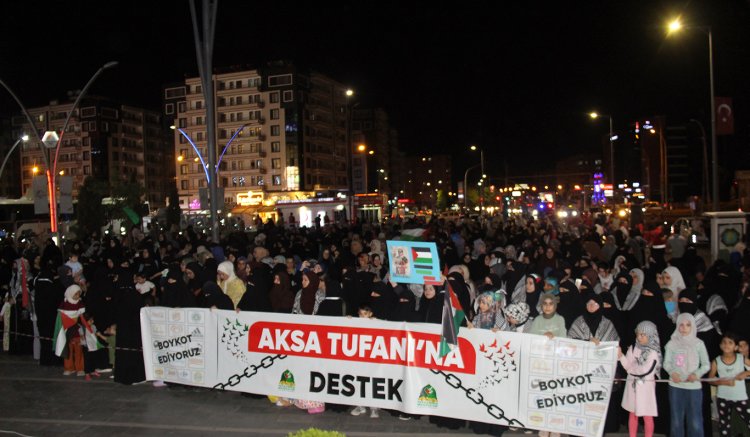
x=513 y=379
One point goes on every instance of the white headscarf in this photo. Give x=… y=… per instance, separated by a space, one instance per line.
x=70 y=293
x=687 y=342
x=227 y=268
x=678 y=284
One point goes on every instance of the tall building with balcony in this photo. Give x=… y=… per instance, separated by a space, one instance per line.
x=104 y=139
x=287 y=129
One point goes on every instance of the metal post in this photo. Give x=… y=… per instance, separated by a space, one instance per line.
x=466 y=187
x=705 y=189
x=204 y=52
x=481 y=192
x=611 y=152
x=714 y=150
x=5 y=161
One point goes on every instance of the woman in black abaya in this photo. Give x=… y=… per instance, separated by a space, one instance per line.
x=129 y=361
x=48 y=294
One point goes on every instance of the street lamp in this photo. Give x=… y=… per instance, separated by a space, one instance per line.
x=594 y=116
x=481 y=163
x=24 y=138
x=51 y=139
x=673 y=27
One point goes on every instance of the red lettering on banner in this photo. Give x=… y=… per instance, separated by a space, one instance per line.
x=382 y=346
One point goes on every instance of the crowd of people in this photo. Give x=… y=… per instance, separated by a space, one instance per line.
x=675 y=316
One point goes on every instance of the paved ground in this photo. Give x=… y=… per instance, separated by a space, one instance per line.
x=39 y=401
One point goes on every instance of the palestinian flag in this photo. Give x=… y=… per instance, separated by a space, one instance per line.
x=65 y=327
x=89 y=334
x=424 y=263
x=453 y=315
x=416 y=234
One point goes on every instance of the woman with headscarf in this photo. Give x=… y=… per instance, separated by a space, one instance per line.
x=430 y=305
x=72 y=354
x=48 y=295
x=626 y=300
x=592 y=325
x=215 y=298
x=308 y=298
x=611 y=313
x=128 y=357
x=176 y=293
x=404 y=309
x=672 y=279
x=515 y=318
x=458 y=283
x=643 y=364
x=686 y=361
x=281 y=296
x=569 y=306
x=230 y=284
x=529 y=290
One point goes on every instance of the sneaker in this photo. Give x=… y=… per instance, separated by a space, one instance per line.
x=159 y=384
x=316 y=410
x=358 y=411
x=68 y=372
x=88 y=377
x=283 y=403
x=105 y=370
x=95 y=373
x=81 y=373
x=374 y=413
x=404 y=416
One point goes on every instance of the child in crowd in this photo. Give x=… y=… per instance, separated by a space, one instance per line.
x=732 y=369
x=643 y=363
x=144 y=286
x=365 y=312
x=548 y=323
x=488 y=313
x=77 y=268
x=72 y=353
x=96 y=358
x=686 y=360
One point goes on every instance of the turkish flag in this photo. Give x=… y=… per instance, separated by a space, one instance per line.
x=724 y=116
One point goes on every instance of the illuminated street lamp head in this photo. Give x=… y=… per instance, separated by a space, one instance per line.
x=473 y=147
x=371 y=152
x=35 y=169
x=674 y=26
x=349 y=92
x=593 y=115
x=361 y=147
x=25 y=138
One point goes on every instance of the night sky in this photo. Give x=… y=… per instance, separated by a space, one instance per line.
x=515 y=79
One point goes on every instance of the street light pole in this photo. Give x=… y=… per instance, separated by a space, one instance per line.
x=466 y=187
x=595 y=115
x=52 y=167
x=714 y=149
x=204 y=48
x=675 y=26
x=5 y=161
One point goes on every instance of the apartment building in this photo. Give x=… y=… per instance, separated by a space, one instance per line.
x=278 y=130
x=105 y=139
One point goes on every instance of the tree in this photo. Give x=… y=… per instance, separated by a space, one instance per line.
x=91 y=215
x=127 y=196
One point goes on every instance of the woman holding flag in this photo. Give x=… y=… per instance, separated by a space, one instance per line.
x=68 y=332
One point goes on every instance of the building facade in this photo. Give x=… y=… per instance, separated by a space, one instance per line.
x=428 y=180
x=105 y=139
x=279 y=130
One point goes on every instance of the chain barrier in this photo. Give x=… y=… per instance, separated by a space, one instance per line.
x=476 y=397
x=250 y=371
x=51 y=339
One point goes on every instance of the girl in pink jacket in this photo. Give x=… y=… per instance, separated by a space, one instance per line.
x=643 y=363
